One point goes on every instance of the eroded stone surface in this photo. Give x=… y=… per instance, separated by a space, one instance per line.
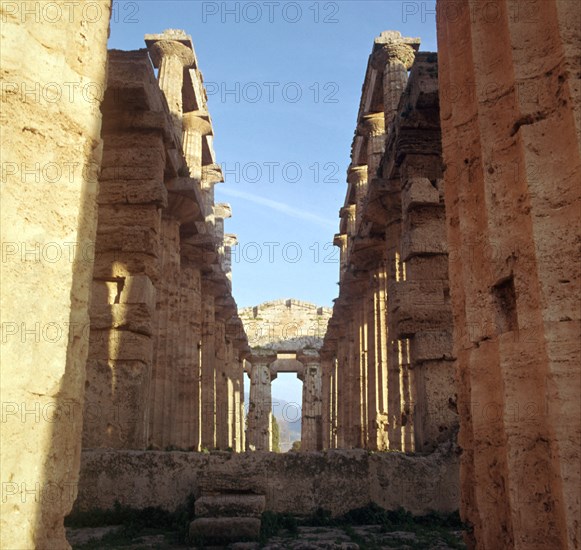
x=297 y=483
x=512 y=208
x=53 y=78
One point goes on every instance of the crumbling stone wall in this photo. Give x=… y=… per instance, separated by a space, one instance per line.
x=388 y=380
x=167 y=347
x=294 y=483
x=510 y=111
x=285 y=324
x=53 y=75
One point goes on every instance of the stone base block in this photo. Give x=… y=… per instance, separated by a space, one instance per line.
x=224 y=530
x=230 y=506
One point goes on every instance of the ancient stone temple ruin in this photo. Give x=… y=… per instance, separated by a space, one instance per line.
x=453 y=343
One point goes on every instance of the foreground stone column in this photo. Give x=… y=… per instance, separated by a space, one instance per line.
x=48 y=235
x=259 y=433
x=311 y=423
x=516 y=303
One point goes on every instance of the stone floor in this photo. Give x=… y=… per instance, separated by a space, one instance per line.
x=356 y=537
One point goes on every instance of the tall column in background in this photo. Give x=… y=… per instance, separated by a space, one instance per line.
x=357 y=176
x=259 y=434
x=172 y=53
x=208 y=369
x=311 y=423
x=394 y=56
x=327 y=404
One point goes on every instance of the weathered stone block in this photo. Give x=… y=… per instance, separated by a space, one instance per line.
x=224 y=530
x=417 y=192
x=230 y=506
x=138 y=191
x=432 y=345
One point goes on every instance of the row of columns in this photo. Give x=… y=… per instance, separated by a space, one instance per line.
x=387 y=370
x=262 y=372
x=167 y=371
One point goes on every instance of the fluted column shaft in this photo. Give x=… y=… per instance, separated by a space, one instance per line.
x=260 y=409
x=311 y=424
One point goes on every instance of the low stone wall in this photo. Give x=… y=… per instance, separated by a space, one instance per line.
x=297 y=483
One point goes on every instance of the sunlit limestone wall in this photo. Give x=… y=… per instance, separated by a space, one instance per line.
x=53 y=77
x=510 y=111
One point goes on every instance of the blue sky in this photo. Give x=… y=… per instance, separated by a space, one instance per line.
x=284 y=82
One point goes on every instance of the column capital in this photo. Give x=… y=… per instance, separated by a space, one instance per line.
x=194 y=121
x=357 y=175
x=211 y=174
x=392 y=47
x=160 y=47
x=309 y=357
x=372 y=124
x=340 y=240
x=262 y=357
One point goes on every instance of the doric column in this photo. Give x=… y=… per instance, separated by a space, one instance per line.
x=186 y=420
x=340 y=241
x=362 y=368
x=377 y=362
x=163 y=380
x=357 y=176
x=326 y=399
x=221 y=367
x=342 y=384
x=372 y=126
x=335 y=404
x=171 y=54
x=208 y=367
x=195 y=127
x=311 y=423
x=259 y=435
x=393 y=56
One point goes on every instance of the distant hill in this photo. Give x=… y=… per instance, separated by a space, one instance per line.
x=288 y=416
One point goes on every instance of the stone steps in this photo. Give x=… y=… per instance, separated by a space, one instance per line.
x=226 y=518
